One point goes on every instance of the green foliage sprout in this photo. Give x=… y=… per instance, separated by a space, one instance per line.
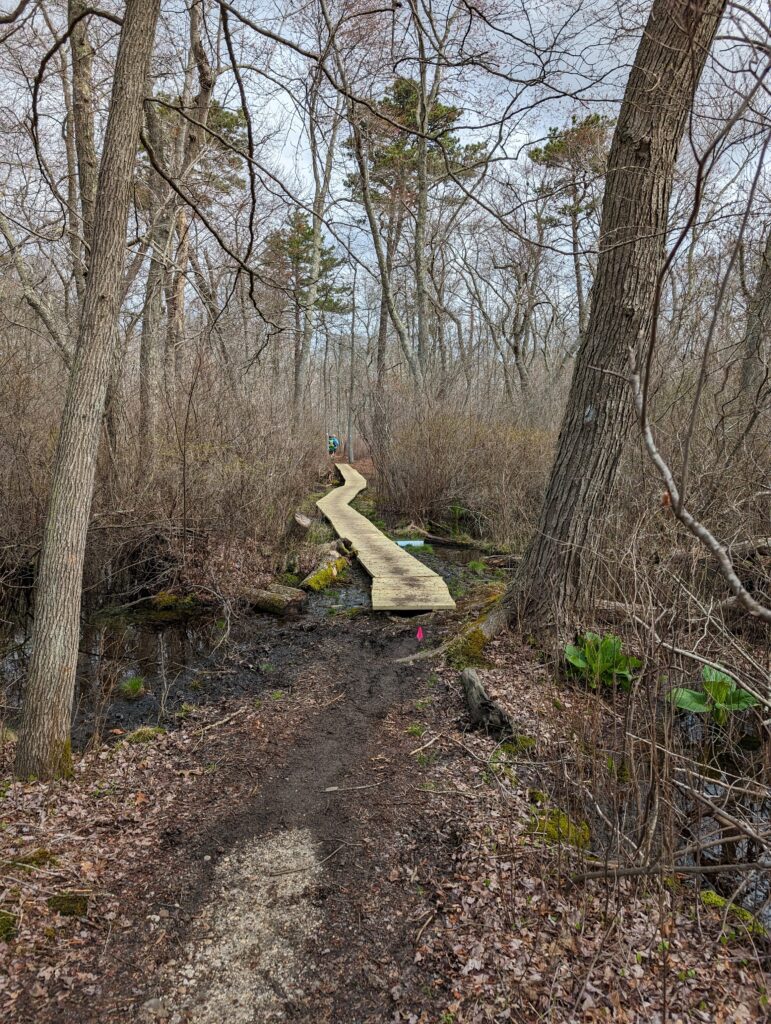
x=720 y=698
x=600 y=661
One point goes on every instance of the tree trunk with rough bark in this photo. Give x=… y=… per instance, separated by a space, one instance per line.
x=755 y=356
x=559 y=566
x=83 y=117
x=44 y=738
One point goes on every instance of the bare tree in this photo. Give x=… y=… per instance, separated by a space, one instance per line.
x=44 y=738
x=557 y=569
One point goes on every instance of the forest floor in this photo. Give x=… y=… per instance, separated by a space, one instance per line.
x=341 y=849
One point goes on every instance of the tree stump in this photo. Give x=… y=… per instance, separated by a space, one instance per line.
x=484 y=712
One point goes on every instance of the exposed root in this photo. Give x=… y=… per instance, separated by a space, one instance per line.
x=477 y=634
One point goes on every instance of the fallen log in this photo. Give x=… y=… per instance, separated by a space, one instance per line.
x=277 y=599
x=483 y=711
x=502 y=561
x=327 y=569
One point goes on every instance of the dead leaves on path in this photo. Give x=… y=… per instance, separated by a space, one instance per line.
x=96 y=834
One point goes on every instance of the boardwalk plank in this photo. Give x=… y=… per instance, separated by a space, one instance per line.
x=399 y=581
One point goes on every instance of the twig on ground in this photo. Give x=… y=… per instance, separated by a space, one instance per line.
x=351 y=789
x=426 y=745
x=299 y=871
x=223 y=721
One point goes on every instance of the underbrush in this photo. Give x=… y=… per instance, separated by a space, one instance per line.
x=207 y=507
x=662 y=747
x=469 y=471
x=568 y=899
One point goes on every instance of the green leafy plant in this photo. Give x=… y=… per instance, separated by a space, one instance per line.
x=720 y=698
x=601 y=661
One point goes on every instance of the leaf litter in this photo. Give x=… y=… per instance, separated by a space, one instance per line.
x=445 y=906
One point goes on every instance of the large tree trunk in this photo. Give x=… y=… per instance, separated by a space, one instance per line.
x=558 y=568
x=44 y=739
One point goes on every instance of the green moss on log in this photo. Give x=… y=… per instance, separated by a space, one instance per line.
x=69 y=904
x=325 y=576
x=467 y=651
x=715 y=901
x=7 y=926
x=556 y=827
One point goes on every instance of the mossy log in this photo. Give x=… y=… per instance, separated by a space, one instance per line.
x=329 y=567
x=277 y=599
x=484 y=712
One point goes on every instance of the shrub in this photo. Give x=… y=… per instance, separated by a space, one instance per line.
x=475 y=474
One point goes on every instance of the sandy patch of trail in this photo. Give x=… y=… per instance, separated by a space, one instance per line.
x=245 y=961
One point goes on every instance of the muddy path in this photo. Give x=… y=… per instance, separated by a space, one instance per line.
x=273 y=898
x=298 y=842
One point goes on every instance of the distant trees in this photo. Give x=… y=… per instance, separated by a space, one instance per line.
x=175 y=142
x=575 y=159
x=406 y=149
x=301 y=268
x=756 y=354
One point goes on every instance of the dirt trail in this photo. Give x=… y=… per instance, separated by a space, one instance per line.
x=277 y=898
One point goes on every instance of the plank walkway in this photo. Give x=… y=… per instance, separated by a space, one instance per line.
x=399 y=581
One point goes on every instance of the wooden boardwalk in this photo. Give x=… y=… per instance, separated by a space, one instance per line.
x=399 y=581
